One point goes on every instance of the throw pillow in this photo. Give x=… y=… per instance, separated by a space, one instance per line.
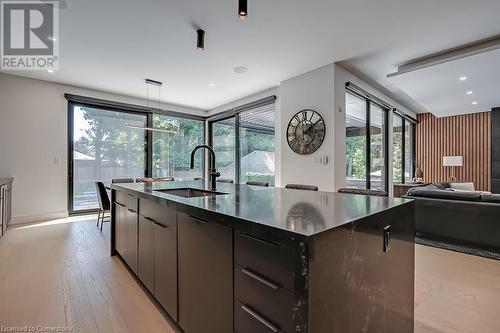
x=462 y=186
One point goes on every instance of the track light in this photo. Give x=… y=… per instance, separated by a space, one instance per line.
x=200 y=42
x=243 y=9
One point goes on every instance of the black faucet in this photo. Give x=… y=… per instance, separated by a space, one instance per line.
x=213 y=172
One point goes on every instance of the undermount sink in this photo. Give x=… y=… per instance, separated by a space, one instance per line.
x=190 y=192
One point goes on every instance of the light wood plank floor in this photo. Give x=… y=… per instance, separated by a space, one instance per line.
x=60 y=274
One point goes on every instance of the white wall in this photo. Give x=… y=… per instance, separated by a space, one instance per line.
x=312 y=90
x=33 y=148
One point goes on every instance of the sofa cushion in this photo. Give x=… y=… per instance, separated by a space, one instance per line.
x=462 y=186
x=490 y=198
x=440 y=194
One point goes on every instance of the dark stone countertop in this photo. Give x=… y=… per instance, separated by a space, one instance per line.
x=4 y=181
x=299 y=212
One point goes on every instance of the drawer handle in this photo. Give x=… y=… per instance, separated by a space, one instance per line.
x=260 y=279
x=197 y=219
x=259 y=239
x=119 y=204
x=260 y=318
x=156 y=223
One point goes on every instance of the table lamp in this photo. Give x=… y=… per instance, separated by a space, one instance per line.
x=453 y=161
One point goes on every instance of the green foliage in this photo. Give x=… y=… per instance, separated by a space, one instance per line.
x=109 y=142
x=172 y=151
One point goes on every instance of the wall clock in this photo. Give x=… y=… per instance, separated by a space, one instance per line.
x=306 y=132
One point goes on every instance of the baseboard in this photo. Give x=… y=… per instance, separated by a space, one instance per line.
x=38 y=218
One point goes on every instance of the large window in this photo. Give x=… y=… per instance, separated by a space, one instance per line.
x=356 y=130
x=366 y=143
x=108 y=140
x=172 y=148
x=223 y=143
x=403 y=137
x=103 y=149
x=244 y=144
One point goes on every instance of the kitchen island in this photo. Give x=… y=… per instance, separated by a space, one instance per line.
x=256 y=259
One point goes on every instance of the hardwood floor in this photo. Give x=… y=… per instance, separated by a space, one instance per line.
x=455 y=292
x=60 y=274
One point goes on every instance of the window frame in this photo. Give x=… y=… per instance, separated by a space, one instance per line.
x=406 y=121
x=369 y=100
x=235 y=113
x=106 y=105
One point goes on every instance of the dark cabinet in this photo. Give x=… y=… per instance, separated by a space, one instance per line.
x=145 y=255
x=205 y=276
x=126 y=232
x=165 y=262
x=158 y=252
x=120 y=212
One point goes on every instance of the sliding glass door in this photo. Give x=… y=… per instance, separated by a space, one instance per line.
x=244 y=143
x=403 y=137
x=102 y=148
x=366 y=143
x=256 y=141
x=224 y=143
x=172 y=147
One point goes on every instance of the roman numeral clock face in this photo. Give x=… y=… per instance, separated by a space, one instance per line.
x=306 y=132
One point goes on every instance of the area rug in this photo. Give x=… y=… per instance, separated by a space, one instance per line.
x=490 y=254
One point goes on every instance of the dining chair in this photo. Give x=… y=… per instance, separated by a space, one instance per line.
x=104 y=203
x=222 y=180
x=362 y=191
x=122 y=180
x=302 y=187
x=258 y=184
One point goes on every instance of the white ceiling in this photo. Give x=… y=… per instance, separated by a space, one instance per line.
x=440 y=90
x=113 y=45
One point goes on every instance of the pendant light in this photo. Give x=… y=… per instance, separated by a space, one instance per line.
x=243 y=9
x=158 y=84
x=200 y=40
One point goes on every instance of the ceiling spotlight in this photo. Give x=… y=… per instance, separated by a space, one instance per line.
x=240 y=69
x=463 y=78
x=474 y=103
x=211 y=84
x=200 y=40
x=50 y=71
x=243 y=9
x=469 y=92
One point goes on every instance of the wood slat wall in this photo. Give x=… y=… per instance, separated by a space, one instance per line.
x=467 y=135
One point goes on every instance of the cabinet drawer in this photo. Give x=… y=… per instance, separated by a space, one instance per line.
x=166 y=216
x=248 y=320
x=127 y=200
x=266 y=297
x=264 y=257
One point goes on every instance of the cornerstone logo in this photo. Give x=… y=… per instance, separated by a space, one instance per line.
x=29 y=31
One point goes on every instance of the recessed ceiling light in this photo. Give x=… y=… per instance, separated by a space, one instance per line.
x=240 y=69
x=474 y=103
x=469 y=92
x=463 y=78
x=50 y=71
x=51 y=38
x=211 y=84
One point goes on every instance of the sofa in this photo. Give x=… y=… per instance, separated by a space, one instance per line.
x=464 y=218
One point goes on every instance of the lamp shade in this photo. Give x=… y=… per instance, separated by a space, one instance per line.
x=453 y=161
